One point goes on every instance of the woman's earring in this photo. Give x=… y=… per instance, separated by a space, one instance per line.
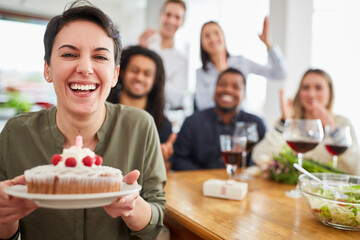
x=47 y=77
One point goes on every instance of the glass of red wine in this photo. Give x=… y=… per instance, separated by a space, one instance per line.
x=337 y=141
x=247 y=130
x=231 y=151
x=302 y=135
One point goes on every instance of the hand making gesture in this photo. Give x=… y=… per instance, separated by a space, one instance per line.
x=265 y=36
x=286 y=106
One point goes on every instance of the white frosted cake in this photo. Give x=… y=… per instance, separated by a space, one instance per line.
x=77 y=170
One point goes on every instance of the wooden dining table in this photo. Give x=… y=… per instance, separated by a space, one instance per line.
x=265 y=213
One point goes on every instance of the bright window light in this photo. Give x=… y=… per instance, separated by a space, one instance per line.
x=336 y=49
x=22 y=61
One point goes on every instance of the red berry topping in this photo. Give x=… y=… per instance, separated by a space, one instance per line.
x=56 y=158
x=88 y=161
x=98 y=160
x=70 y=162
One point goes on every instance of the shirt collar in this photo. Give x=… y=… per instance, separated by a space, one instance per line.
x=236 y=118
x=101 y=134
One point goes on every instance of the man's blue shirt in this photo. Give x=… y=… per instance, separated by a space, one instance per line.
x=198 y=146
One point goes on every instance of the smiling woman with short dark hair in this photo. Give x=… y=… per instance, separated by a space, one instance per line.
x=82 y=53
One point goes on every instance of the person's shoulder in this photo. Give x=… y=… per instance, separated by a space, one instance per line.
x=203 y=115
x=165 y=130
x=250 y=117
x=340 y=117
x=199 y=120
x=236 y=58
x=180 y=57
x=30 y=120
x=127 y=112
x=342 y=120
x=124 y=121
x=173 y=54
x=177 y=52
x=203 y=75
x=210 y=71
x=29 y=117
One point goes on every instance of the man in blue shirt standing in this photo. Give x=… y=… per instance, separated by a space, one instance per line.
x=197 y=145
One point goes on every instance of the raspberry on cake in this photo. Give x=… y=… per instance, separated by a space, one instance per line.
x=77 y=170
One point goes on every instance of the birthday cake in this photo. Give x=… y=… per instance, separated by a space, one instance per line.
x=76 y=171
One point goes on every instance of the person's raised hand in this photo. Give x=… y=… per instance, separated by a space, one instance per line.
x=124 y=205
x=13 y=209
x=167 y=149
x=286 y=106
x=265 y=36
x=322 y=113
x=145 y=37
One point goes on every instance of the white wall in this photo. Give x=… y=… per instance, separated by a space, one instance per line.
x=128 y=15
x=291 y=22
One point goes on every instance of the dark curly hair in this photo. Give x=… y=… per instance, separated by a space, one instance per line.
x=156 y=99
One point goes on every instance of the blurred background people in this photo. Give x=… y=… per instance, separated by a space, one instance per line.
x=216 y=58
x=197 y=145
x=314 y=100
x=162 y=41
x=141 y=85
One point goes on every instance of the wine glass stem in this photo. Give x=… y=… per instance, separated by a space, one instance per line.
x=335 y=161
x=231 y=169
x=300 y=158
x=243 y=162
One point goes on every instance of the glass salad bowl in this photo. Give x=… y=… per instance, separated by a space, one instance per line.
x=336 y=201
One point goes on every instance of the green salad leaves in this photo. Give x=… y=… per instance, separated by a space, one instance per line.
x=281 y=167
x=343 y=211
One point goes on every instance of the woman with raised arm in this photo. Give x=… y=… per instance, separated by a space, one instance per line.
x=314 y=100
x=216 y=58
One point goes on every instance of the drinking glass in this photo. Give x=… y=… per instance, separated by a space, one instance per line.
x=337 y=141
x=175 y=116
x=247 y=130
x=302 y=135
x=231 y=150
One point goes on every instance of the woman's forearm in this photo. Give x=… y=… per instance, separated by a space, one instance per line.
x=8 y=230
x=140 y=217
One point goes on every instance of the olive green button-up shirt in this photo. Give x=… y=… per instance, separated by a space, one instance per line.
x=128 y=140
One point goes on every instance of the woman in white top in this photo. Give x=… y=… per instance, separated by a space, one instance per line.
x=313 y=100
x=215 y=58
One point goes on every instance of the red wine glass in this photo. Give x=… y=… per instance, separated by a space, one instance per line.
x=302 y=135
x=247 y=130
x=231 y=151
x=337 y=141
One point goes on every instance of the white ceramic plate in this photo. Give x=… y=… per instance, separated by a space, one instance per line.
x=71 y=201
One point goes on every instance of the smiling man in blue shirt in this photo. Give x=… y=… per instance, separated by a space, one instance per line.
x=197 y=145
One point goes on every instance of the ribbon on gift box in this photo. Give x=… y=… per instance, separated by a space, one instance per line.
x=229 y=189
x=225 y=185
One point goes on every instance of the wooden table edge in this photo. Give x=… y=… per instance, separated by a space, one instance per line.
x=189 y=224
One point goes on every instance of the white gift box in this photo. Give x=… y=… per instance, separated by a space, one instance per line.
x=229 y=189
